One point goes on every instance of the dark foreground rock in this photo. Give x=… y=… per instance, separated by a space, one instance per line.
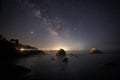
x=12 y=71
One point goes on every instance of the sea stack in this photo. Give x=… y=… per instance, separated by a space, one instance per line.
x=61 y=52
x=95 y=51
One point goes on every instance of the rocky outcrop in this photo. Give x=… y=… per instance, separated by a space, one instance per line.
x=61 y=52
x=95 y=51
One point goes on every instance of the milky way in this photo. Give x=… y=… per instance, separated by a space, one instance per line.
x=70 y=24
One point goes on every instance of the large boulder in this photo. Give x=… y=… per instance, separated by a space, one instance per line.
x=95 y=51
x=61 y=52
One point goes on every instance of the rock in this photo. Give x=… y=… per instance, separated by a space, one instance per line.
x=8 y=51
x=52 y=58
x=65 y=60
x=13 y=71
x=95 y=51
x=61 y=52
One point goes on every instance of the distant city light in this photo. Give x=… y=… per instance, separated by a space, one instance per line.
x=22 y=49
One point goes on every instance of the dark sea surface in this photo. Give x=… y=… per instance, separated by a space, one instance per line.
x=80 y=66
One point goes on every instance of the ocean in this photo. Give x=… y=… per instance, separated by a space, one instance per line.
x=81 y=65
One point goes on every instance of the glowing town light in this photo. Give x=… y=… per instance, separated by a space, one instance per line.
x=22 y=49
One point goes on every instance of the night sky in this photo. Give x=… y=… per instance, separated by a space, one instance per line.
x=68 y=24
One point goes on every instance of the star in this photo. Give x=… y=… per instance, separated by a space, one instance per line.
x=31 y=32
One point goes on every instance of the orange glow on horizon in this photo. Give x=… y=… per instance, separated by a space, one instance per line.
x=22 y=49
x=55 y=48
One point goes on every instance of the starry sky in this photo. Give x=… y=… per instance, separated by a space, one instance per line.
x=68 y=24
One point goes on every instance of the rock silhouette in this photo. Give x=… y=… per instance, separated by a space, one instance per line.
x=61 y=52
x=65 y=60
x=7 y=49
x=12 y=71
x=8 y=69
x=96 y=51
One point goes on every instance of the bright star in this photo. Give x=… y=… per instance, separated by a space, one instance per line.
x=32 y=32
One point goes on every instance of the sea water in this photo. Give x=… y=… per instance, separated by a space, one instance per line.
x=80 y=65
